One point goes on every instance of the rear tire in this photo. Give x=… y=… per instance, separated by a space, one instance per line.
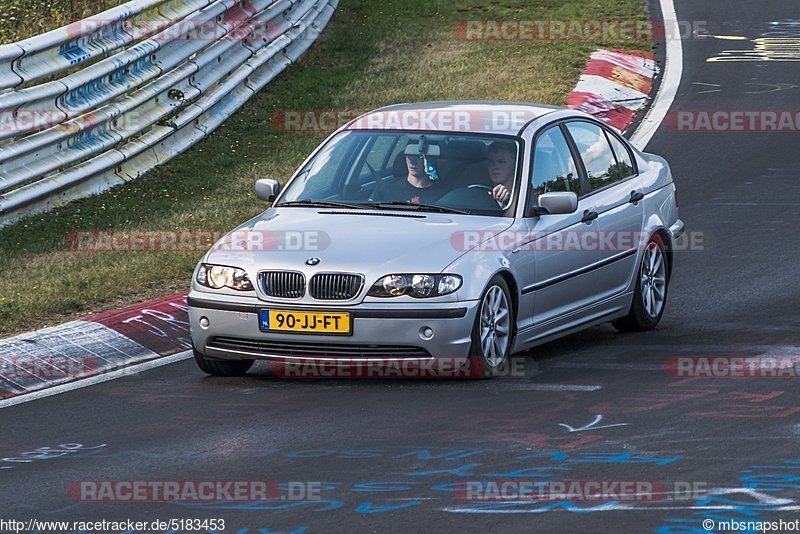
x=493 y=331
x=222 y=367
x=650 y=292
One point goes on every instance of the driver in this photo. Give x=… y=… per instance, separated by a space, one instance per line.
x=419 y=187
x=502 y=164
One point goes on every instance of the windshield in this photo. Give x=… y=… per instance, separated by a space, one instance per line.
x=457 y=173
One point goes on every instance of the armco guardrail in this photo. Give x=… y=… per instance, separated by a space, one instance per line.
x=133 y=87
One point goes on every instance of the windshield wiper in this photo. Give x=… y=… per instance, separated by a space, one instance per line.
x=322 y=204
x=401 y=204
x=405 y=204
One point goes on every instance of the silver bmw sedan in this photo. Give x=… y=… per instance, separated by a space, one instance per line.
x=449 y=231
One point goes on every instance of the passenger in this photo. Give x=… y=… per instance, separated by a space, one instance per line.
x=419 y=187
x=502 y=164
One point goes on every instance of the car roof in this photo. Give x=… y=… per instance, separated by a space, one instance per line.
x=486 y=117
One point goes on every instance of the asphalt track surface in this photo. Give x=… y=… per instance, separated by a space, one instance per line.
x=735 y=438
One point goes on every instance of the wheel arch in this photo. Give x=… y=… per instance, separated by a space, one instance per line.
x=666 y=238
x=513 y=289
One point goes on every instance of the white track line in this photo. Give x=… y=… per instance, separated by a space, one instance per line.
x=105 y=377
x=673 y=70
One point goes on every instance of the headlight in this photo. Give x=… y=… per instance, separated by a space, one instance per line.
x=219 y=276
x=416 y=285
x=448 y=283
x=422 y=284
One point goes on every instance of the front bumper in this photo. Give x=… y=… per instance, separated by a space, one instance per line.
x=677 y=229
x=374 y=325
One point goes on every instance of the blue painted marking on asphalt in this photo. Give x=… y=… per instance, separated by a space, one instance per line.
x=529 y=472
x=425 y=454
x=326 y=505
x=382 y=487
x=372 y=508
x=462 y=471
x=763 y=483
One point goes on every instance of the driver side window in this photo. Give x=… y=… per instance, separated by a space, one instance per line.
x=553 y=166
x=373 y=163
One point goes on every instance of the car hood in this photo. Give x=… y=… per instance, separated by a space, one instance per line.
x=374 y=244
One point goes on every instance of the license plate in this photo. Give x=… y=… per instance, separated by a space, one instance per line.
x=306 y=322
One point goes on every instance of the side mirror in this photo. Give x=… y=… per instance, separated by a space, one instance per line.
x=557 y=203
x=267 y=190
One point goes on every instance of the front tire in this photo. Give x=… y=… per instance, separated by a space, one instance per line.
x=222 y=367
x=650 y=293
x=493 y=331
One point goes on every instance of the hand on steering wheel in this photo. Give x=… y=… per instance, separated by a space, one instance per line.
x=501 y=194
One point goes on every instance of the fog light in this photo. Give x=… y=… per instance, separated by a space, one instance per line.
x=204 y=322
x=426 y=332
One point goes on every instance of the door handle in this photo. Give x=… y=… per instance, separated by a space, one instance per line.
x=636 y=196
x=589 y=216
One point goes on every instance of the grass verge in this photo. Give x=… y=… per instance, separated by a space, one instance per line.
x=20 y=19
x=374 y=53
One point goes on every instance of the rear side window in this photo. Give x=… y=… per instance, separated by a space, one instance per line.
x=598 y=158
x=553 y=166
x=624 y=161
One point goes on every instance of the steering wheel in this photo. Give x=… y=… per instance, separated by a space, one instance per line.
x=504 y=205
x=480 y=186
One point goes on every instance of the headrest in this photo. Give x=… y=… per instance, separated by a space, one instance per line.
x=466 y=150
